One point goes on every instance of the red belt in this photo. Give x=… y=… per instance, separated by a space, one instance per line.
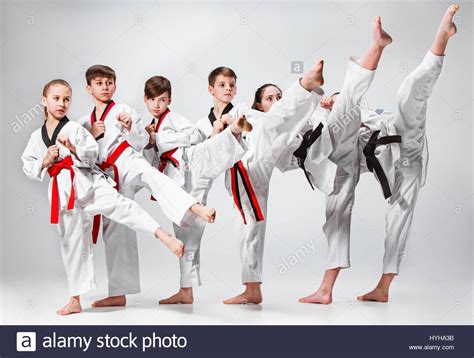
x=165 y=158
x=53 y=171
x=237 y=169
x=109 y=163
x=168 y=157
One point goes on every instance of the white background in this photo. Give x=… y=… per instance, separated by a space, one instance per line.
x=258 y=39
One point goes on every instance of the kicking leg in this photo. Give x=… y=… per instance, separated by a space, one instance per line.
x=446 y=29
x=344 y=123
x=380 y=40
x=105 y=200
x=410 y=170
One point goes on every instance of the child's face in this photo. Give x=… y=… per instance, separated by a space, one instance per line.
x=270 y=95
x=224 y=89
x=158 y=105
x=102 y=89
x=57 y=101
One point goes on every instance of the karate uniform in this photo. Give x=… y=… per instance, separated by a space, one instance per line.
x=248 y=181
x=193 y=163
x=402 y=162
x=348 y=139
x=319 y=170
x=120 y=155
x=77 y=192
x=411 y=168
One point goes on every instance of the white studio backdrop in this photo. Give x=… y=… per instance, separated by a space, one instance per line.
x=184 y=41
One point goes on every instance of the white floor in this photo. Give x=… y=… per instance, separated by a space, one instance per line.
x=34 y=303
x=434 y=286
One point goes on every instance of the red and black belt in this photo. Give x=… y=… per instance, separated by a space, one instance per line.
x=109 y=163
x=165 y=158
x=239 y=170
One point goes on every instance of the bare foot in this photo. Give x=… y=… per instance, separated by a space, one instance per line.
x=174 y=245
x=241 y=125
x=319 y=296
x=251 y=295
x=447 y=26
x=111 y=301
x=205 y=213
x=184 y=296
x=74 y=306
x=376 y=295
x=381 y=38
x=314 y=77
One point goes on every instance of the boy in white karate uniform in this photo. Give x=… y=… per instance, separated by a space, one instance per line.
x=248 y=180
x=77 y=191
x=121 y=138
x=401 y=170
x=176 y=148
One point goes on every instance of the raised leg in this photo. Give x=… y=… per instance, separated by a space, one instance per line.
x=410 y=170
x=344 y=123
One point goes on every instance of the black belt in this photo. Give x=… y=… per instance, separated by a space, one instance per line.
x=302 y=152
x=373 y=163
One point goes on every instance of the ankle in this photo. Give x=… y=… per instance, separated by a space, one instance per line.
x=326 y=291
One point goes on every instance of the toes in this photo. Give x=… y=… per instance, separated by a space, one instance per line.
x=453 y=8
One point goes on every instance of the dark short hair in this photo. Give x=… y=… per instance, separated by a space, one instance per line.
x=225 y=71
x=157 y=85
x=99 y=71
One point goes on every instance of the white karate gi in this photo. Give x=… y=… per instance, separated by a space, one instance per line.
x=404 y=165
x=344 y=123
x=135 y=173
x=198 y=164
x=272 y=133
x=320 y=169
x=93 y=195
x=411 y=168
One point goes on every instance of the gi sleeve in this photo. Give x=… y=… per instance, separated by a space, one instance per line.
x=33 y=161
x=137 y=136
x=178 y=132
x=87 y=148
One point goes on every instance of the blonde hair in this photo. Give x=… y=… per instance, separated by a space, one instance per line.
x=51 y=83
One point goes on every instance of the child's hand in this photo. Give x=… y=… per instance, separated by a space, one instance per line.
x=152 y=139
x=327 y=102
x=150 y=128
x=97 y=129
x=63 y=139
x=125 y=119
x=217 y=127
x=51 y=155
x=227 y=119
